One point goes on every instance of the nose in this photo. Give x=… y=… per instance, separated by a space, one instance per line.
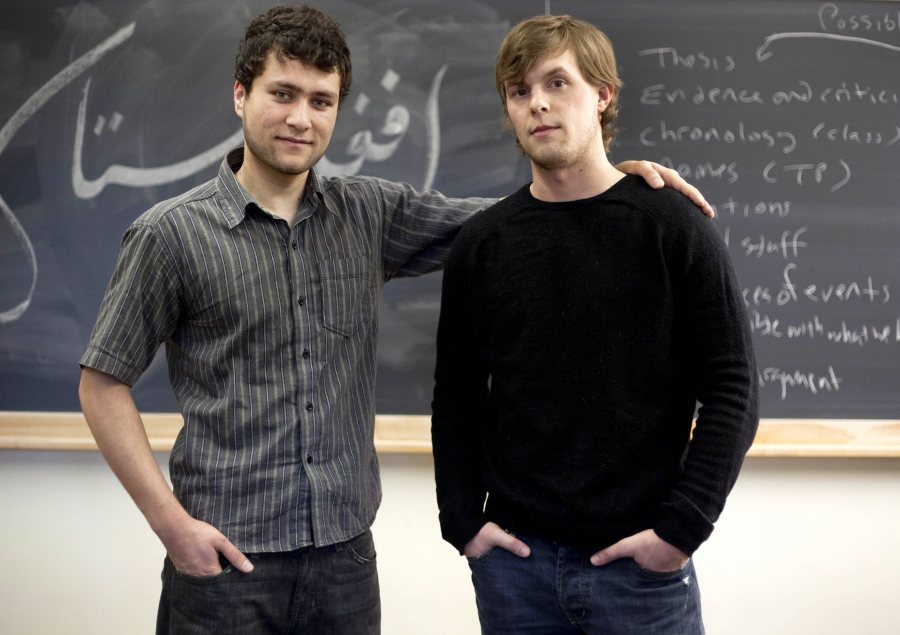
x=538 y=101
x=298 y=117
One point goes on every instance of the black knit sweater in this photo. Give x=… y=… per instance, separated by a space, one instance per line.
x=575 y=341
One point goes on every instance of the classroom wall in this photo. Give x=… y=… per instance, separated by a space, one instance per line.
x=804 y=546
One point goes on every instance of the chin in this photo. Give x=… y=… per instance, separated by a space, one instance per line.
x=294 y=167
x=551 y=162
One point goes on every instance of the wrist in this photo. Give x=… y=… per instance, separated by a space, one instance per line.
x=167 y=519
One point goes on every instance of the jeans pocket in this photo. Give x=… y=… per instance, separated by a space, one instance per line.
x=362 y=548
x=487 y=554
x=204 y=579
x=483 y=557
x=227 y=569
x=659 y=575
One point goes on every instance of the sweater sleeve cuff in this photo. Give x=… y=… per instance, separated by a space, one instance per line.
x=682 y=525
x=460 y=531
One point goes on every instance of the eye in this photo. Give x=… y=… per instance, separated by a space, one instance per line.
x=558 y=83
x=518 y=92
x=281 y=95
x=321 y=104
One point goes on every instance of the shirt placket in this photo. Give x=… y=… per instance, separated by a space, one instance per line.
x=301 y=256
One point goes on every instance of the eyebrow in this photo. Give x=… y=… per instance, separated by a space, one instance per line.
x=558 y=70
x=298 y=89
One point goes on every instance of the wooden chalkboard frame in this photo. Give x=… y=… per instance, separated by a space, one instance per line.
x=410 y=434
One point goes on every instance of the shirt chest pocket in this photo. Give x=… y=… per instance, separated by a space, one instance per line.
x=347 y=294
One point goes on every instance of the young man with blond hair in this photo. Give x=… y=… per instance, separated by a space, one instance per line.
x=583 y=317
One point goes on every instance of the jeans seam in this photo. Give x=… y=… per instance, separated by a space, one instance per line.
x=560 y=584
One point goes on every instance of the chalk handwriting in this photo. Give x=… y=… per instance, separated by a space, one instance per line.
x=763 y=53
x=803 y=95
x=804 y=92
x=848 y=134
x=138 y=177
x=789 y=291
x=835 y=176
x=782 y=140
x=857 y=93
x=788 y=245
x=669 y=57
x=362 y=146
x=659 y=94
x=722 y=171
x=814 y=383
x=814 y=328
x=19 y=118
x=830 y=19
x=777 y=209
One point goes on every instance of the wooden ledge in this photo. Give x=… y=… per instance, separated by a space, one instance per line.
x=411 y=434
x=69 y=431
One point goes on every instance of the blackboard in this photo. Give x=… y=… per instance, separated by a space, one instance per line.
x=785 y=113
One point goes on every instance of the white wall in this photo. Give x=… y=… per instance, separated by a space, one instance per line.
x=806 y=546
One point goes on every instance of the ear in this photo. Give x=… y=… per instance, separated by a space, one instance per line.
x=240 y=94
x=604 y=96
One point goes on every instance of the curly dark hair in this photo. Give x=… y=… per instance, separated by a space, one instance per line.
x=294 y=32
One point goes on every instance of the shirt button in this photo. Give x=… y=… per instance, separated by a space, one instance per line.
x=309 y=406
x=305 y=354
x=309 y=458
x=294 y=245
x=301 y=301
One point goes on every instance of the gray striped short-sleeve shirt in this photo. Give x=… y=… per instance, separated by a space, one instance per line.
x=270 y=336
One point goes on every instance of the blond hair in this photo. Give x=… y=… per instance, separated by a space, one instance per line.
x=533 y=39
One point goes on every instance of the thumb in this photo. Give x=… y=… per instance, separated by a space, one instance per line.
x=621 y=549
x=513 y=545
x=236 y=557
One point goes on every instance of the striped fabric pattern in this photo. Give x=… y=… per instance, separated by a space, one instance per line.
x=270 y=334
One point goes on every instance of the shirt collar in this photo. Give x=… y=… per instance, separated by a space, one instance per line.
x=235 y=199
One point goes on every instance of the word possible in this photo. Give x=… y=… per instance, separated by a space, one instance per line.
x=830 y=19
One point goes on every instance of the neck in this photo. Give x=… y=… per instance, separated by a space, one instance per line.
x=577 y=182
x=277 y=192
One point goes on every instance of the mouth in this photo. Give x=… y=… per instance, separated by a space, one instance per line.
x=293 y=141
x=543 y=130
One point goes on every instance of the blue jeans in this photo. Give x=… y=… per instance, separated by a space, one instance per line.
x=331 y=589
x=557 y=590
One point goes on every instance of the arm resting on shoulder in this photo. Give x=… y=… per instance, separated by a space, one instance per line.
x=657 y=176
